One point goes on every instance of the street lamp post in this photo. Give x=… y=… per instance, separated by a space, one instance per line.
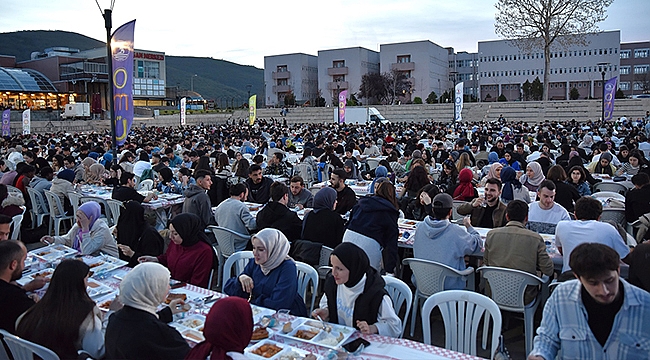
x=248 y=88
x=192 y=81
x=338 y=93
x=603 y=67
x=108 y=24
x=453 y=74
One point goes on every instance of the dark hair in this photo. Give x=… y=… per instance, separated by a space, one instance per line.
x=253 y=168
x=169 y=151
x=556 y=173
x=386 y=190
x=417 y=179
x=340 y=173
x=10 y=250
x=517 y=210
x=64 y=307
x=243 y=166
x=588 y=208
x=143 y=156
x=581 y=170
x=46 y=171
x=258 y=159
x=546 y=184
x=222 y=161
x=126 y=157
x=203 y=164
x=494 y=181
x=237 y=189
x=125 y=177
x=5 y=219
x=278 y=155
x=201 y=173
x=297 y=179
x=278 y=190
x=640 y=179
x=592 y=260
x=69 y=159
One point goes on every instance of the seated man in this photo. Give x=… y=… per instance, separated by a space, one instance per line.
x=13 y=299
x=597 y=316
x=345 y=197
x=437 y=239
x=299 y=196
x=197 y=200
x=543 y=215
x=587 y=228
x=233 y=214
x=277 y=215
x=259 y=187
x=126 y=191
x=515 y=247
x=276 y=165
x=488 y=212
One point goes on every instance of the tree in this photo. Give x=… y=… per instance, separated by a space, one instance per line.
x=352 y=101
x=417 y=100
x=502 y=98
x=539 y=24
x=374 y=88
x=537 y=89
x=619 y=94
x=320 y=100
x=574 y=94
x=445 y=97
x=397 y=84
x=526 y=89
x=290 y=99
x=432 y=98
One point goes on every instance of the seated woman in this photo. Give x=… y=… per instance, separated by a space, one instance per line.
x=565 y=194
x=66 y=319
x=323 y=217
x=137 y=331
x=189 y=257
x=351 y=171
x=355 y=296
x=447 y=180
x=95 y=174
x=135 y=237
x=420 y=207
x=166 y=182
x=635 y=162
x=533 y=176
x=380 y=172
x=603 y=165
x=228 y=329
x=578 y=179
x=10 y=202
x=114 y=175
x=90 y=235
x=493 y=173
x=512 y=189
x=270 y=279
x=465 y=191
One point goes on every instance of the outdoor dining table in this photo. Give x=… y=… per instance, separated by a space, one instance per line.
x=105 y=192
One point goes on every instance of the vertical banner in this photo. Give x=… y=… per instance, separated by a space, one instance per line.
x=122 y=58
x=458 y=101
x=6 y=123
x=608 y=100
x=181 y=107
x=252 y=109
x=27 y=122
x=343 y=96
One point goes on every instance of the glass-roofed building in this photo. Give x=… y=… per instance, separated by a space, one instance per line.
x=27 y=88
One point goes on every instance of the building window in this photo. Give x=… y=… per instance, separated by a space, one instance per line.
x=625 y=70
x=404 y=58
x=641 y=69
x=625 y=54
x=338 y=78
x=638 y=85
x=148 y=69
x=624 y=86
x=281 y=68
x=641 y=53
x=338 y=63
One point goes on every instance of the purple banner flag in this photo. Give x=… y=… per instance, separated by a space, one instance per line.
x=6 y=123
x=343 y=98
x=122 y=58
x=610 y=94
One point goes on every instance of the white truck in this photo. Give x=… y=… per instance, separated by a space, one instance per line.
x=76 y=111
x=361 y=115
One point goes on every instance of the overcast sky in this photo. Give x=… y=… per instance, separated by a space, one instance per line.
x=244 y=34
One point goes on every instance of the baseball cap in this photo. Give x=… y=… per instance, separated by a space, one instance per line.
x=443 y=201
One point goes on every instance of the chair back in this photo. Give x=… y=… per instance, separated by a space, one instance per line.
x=54 y=203
x=430 y=275
x=236 y=263
x=226 y=239
x=16 y=221
x=146 y=185
x=508 y=286
x=615 y=215
x=75 y=200
x=372 y=163
x=400 y=294
x=455 y=215
x=305 y=171
x=610 y=186
x=22 y=349
x=39 y=204
x=462 y=312
x=608 y=195
x=307 y=274
x=104 y=205
x=115 y=207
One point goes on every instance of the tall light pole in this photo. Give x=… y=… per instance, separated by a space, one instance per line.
x=107 y=14
x=338 y=92
x=453 y=74
x=603 y=67
x=248 y=88
x=192 y=82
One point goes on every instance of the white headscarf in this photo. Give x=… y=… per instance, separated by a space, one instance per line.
x=145 y=287
x=277 y=246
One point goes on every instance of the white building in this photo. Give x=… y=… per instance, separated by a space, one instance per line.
x=283 y=74
x=504 y=68
x=342 y=69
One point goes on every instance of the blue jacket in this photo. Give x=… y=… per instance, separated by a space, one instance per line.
x=375 y=217
x=277 y=290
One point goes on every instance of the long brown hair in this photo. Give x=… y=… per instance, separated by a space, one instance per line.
x=387 y=191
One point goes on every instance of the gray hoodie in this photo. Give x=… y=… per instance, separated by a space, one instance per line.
x=198 y=202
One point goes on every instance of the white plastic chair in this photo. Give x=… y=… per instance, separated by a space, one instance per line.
x=616 y=215
x=38 y=205
x=430 y=279
x=372 y=163
x=104 y=205
x=56 y=217
x=399 y=293
x=306 y=274
x=610 y=186
x=22 y=349
x=324 y=261
x=305 y=171
x=16 y=221
x=455 y=215
x=116 y=209
x=608 y=195
x=235 y=264
x=226 y=240
x=461 y=313
x=75 y=201
x=508 y=288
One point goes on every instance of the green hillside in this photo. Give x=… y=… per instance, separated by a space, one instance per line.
x=216 y=79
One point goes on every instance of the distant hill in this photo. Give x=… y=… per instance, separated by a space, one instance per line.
x=216 y=79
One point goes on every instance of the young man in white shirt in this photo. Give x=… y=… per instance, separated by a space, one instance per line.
x=544 y=214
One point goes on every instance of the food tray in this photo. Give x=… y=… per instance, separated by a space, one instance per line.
x=104 y=302
x=407 y=224
x=97 y=290
x=48 y=253
x=287 y=353
x=334 y=339
x=194 y=322
x=268 y=330
x=260 y=312
x=193 y=335
x=102 y=264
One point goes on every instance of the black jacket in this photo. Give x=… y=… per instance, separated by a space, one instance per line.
x=345 y=200
x=278 y=216
x=566 y=195
x=259 y=193
x=13 y=302
x=325 y=227
x=136 y=334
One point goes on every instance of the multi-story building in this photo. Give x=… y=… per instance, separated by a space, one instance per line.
x=423 y=62
x=504 y=68
x=290 y=73
x=342 y=69
x=464 y=66
x=634 y=69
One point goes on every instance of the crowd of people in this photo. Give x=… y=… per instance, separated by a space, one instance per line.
x=519 y=179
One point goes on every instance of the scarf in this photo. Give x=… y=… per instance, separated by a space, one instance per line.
x=354 y=259
x=509 y=179
x=228 y=328
x=188 y=226
x=465 y=190
x=324 y=199
x=493 y=157
x=277 y=247
x=145 y=287
x=131 y=224
x=93 y=211
x=538 y=175
x=492 y=173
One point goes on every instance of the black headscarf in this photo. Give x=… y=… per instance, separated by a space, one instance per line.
x=131 y=224
x=188 y=226
x=166 y=174
x=354 y=259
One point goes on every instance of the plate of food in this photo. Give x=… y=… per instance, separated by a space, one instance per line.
x=314 y=332
x=48 y=253
x=193 y=335
x=96 y=289
x=266 y=349
x=101 y=264
x=106 y=304
x=45 y=273
x=261 y=333
x=195 y=322
x=174 y=296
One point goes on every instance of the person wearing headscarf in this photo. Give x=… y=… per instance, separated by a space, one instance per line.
x=95 y=174
x=189 y=257
x=270 y=277
x=465 y=190
x=533 y=176
x=85 y=165
x=420 y=206
x=586 y=144
x=227 y=330
x=167 y=184
x=493 y=173
x=350 y=170
x=380 y=171
x=322 y=217
x=107 y=160
x=90 y=235
x=603 y=165
x=137 y=331
x=493 y=157
x=61 y=186
x=135 y=237
x=10 y=201
x=355 y=295
x=512 y=189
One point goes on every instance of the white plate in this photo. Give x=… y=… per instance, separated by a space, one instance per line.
x=193 y=335
x=102 y=264
x=339 y=332
x=97 y=290
x=194 y=322
x=269 y=330
x=249 y=350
